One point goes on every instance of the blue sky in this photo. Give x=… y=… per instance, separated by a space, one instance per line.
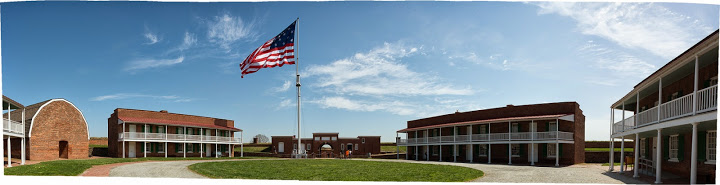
x=367 y=67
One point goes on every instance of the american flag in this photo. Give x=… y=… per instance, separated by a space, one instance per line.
x=276 y=52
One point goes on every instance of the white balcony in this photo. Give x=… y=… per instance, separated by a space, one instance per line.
x=518 y=136
x=161 y=137
x=13 y=127
x=677 y=108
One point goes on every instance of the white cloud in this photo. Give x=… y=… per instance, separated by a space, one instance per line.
x=119 y=96
x=438 y=106
x=619 y=62
x=188 y=41
x=285 y=86
x=286 y=103
x=151 y=63
x=152 y=37
x=646 y=26
x=379 y=72
x=226 y=29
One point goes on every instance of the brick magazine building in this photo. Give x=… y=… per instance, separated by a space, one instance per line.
x=54 y=129
x=551 y=133
x=672 y=114
x=327 y=145
x=144 y=133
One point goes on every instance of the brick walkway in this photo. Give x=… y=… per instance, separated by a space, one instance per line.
x=104 y=170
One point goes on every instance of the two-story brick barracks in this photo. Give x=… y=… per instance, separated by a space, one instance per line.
x=672 y=117
x=144 y=133
x=551 y=133
x=327 y=145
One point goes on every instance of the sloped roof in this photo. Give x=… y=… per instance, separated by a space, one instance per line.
x=30 y=111
x=12 y=102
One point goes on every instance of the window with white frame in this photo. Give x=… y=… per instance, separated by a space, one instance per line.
x=189 y=147
x=711 y=145
x=673 y=148
x=356 y=146
x=363 y=140
x=483 y=129
x=553 y=126
x=317 y=138
x=161 y=129
x=482 y=150
x=713 y=81
x=515 y=149
x=325 y=138
x=515 y=127
x=308 y=146
x=334 y=138
x=147 y=149
x=551 y=150
x=642 y=148
x=342 y=147
x=161 y=147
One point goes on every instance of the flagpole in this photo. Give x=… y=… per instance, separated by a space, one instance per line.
x=297 y=83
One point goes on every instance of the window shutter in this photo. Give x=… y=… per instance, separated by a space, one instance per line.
x=177 y=130
x=522 y=149
x=706 y=84
x=196 y=147
x=177 y=147
x=547 y=127
x=544 y=149
x=561 y=151
x=142 y=147
x=142 y=129
x=702 y=146
x=681 y=147
x=487 y=129
x=647 y=148
x=665 y=147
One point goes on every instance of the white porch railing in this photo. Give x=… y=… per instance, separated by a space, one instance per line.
x=628 y=124
x=647 y=117
x=519 y=136
x=462 y=138
x=447 y=139
x=680 y=107
x=707 y=99
x=480 y=137
x=174 y=137
x=12 y=126
x=676 y=108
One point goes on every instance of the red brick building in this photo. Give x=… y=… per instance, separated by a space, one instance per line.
x=144 y=133
x=551 y=133
x=672 y=116
x=54 y=129
x=327 y=145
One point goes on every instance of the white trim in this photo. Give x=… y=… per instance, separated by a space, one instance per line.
x=32 y=122
x=677 y=147
x=707 y=146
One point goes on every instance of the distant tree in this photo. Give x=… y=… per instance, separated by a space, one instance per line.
x=262 y=138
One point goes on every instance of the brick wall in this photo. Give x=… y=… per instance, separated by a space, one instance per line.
x=58 y=121
x=606 y=144
x=98 y=141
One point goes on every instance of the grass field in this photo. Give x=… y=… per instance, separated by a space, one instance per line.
x=606 y=149
x=335 y=170
x=392 y=149
x=254 y=149
x=76 y=167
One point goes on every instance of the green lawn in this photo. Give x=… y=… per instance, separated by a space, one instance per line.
x=254 y=149
x=76 y=167
x=392 y=149
x=335 y=170
x=606 y=149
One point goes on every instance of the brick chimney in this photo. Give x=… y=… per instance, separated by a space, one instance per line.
x=163 y=111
